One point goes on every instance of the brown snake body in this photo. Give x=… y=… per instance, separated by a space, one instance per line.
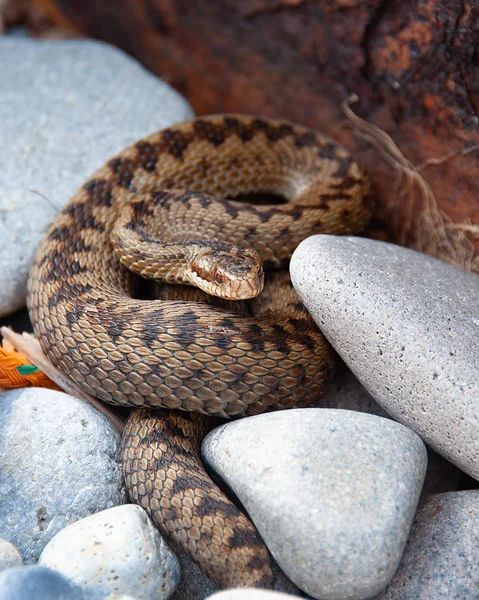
x=181 y=354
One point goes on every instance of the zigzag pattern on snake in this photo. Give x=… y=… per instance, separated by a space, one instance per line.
x=177 y=353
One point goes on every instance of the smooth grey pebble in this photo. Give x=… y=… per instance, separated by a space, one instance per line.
x=59 y=462
x=9 y=555
x=407 y=325
x=66 y=107
x=332 y=493
x=37 y=583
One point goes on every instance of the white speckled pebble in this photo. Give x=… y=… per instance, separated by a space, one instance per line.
x=65 y=108
x=59 y=462
x=441 y=560
x=9 y=555
x=250 y=594
x=408 y=326
x=332 y=493
x=116 y=551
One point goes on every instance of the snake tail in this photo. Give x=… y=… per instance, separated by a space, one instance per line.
x=164 y=475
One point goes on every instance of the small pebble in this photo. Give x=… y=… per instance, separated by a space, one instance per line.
x=59 y=462
x=115 y=551
x=407 y=325
x=441 y=560
x=250 y=594
x=195 y=585
x=9 y=555
x=37 y=583
x=332 y=493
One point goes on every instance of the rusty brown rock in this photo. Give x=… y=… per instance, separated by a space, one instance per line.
x=413 y=66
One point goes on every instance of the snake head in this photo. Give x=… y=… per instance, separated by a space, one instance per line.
x=227 y=271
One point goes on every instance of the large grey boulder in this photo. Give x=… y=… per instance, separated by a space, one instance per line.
x=407 y=325
x=65 y=108
x=332 y=493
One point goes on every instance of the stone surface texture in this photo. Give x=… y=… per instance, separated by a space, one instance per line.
x=37 y=583
x=347 y=393
x=115 y=551
x=194 y=584
x=65 y=108
x=332 y=493
x=442 y=554
x=408 y=326
x=9 y=555
x=59 y=462
x=250 y=594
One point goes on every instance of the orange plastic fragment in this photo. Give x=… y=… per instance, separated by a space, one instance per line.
x=17 y=372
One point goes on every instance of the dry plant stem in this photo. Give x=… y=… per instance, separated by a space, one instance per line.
x=30 y=347
x=435 y=234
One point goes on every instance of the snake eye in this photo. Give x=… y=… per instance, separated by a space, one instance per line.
x=218 y=276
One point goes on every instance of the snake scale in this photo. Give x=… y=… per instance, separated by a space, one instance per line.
x=176 y=205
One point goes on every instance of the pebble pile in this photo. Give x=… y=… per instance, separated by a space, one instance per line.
x=342 y=494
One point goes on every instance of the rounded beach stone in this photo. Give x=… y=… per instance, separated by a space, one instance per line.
x=40 y=583
x=250 y=594
x=86 y=101
x=407 y=325
x=332 y=493
x=441 y=559
x=195 y=585
x=59 y=462
x=115 y=551
x=9 y=555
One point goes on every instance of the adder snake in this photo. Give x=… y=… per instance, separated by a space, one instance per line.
x=174 y=352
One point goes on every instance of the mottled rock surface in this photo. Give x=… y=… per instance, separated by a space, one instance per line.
x=59 y=462
x=442 y=554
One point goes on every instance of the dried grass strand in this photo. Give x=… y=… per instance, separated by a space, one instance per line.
x=435 y=232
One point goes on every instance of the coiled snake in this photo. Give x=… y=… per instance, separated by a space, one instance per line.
x=177 y=353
